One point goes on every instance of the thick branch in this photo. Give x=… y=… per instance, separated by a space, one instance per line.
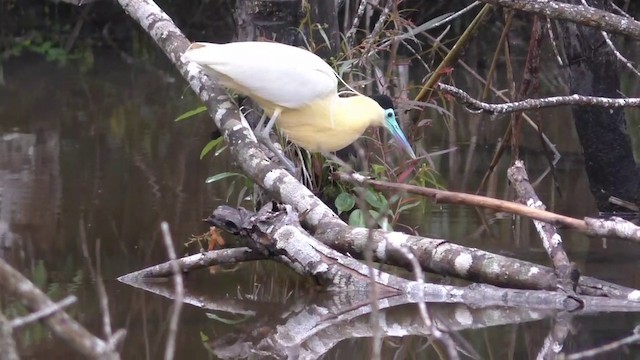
x=582 y=15
x=551 y=239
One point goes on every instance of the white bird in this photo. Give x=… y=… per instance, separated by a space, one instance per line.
x=298 y=91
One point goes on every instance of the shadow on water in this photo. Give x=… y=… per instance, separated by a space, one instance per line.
x=102 y=149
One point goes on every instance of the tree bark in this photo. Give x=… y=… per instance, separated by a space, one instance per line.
x=606 y=144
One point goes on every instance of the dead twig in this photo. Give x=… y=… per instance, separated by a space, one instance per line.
x=39 y=315
x=531 y=104
x=178 y=287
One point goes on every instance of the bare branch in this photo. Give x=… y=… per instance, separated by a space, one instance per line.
x=551 y=239
x=452 y=197
x=96 y=275
x=531 y=104
x=589 y=354
x=195 y=262
x=583 y=15
x=41 y=314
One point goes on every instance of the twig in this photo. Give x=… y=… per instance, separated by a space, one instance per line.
x=607 y=39
x=498 y=94
x=179 y=293
x=41 y=314
x=97 y=277
x=609 y=347
x=451 y=197
x=530 y=104
x=356 y=22
x=552 y=40
x=452 y=55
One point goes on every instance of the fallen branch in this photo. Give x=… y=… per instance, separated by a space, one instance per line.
x=566 y=272
x=195 y=262
x=276 y=231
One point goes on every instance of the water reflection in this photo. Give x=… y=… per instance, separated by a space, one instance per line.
x=102 y=149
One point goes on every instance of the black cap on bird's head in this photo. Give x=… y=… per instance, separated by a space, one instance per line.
x=391 y=123
x=384 y=101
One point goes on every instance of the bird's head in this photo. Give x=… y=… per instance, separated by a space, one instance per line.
x=391 y=123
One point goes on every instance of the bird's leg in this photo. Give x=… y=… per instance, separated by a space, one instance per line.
x=261 y=122
x=262 y=134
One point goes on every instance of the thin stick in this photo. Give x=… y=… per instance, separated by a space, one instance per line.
x=178 y=286
x=41 y=314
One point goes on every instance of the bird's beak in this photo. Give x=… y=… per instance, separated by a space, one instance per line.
x=396 y=131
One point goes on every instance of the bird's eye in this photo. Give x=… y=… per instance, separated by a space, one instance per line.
x=390 y=113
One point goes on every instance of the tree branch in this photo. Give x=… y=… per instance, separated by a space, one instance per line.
x=583 y=15
x=533 y=104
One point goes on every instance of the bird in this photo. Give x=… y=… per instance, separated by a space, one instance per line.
x=298 y=91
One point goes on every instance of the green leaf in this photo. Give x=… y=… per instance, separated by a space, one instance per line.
x=205 y=150
x=408 y=206
x=226 y=321
x=376 y=200
x=210 y=145
x=221 y=176
x=356 y=218
x=40 y=274
x=203 y=337
x=344 y=202
x=191 y=113
x=378 y=170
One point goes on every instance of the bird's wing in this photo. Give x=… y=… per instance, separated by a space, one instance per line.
x=283 y=75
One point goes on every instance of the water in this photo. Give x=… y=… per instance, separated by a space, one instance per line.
x=99 y=151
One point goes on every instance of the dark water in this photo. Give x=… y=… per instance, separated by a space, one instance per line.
x=99 y=153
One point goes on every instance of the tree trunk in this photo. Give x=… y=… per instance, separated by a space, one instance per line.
x=593 y=70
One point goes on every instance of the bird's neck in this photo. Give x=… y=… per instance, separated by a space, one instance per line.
x=358 y=109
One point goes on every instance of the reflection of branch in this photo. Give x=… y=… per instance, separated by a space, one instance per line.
x=609 y=347
x=583 y=15
x=62 y=325
x=178 y=289
x=531 y=104
x=554 y=342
